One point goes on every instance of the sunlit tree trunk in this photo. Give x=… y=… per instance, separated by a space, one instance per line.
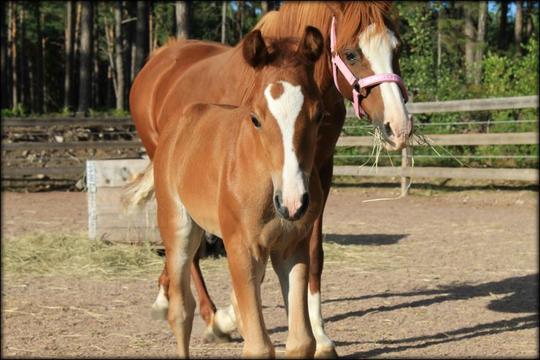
x=182 y=10
x=119 y=61
x=518 y=25
x=469 y=32
x=223 y=21
x=480 y=40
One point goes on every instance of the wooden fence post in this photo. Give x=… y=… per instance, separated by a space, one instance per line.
x=405 y=162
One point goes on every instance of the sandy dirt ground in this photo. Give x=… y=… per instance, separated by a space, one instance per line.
x=442 y=274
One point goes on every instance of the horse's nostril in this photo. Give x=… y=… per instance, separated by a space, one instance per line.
x=277 y=200
x=388 y=129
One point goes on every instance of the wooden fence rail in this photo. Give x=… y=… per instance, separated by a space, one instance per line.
x=10 y=172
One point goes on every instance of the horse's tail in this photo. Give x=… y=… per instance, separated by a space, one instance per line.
x=139 y=190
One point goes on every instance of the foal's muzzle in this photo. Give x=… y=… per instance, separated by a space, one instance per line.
x=285 y=212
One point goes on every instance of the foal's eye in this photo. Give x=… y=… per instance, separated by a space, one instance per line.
x=255 y=121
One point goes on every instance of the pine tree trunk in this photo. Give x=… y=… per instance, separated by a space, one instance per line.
x=39 y=92
x=68 y=45
x=223 y=21
x=3 y=57
x=529 y=20
x=469 y=32
x=480 y=40
x=141 y=37
x=95 y=60
x=76 y=56
x=182 y=19
x=87 y=22
x=518 y=25
x=119 y=59
x=24 y=88
x=503 y=22
x=127 y=42
x=12 y=40
x=240 y=20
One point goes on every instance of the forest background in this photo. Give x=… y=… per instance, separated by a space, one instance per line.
x=80 y=57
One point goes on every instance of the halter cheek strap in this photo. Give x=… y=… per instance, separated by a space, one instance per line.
x=358 y=83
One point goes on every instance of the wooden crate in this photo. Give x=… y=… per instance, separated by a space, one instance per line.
x=106 y=218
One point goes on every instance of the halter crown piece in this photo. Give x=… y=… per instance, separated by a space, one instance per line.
x=356 y=83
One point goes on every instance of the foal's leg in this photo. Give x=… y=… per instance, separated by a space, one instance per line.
x=325 y=346
x=181 y=237
x=247 y=273
x=219 y=324
x=293 y=277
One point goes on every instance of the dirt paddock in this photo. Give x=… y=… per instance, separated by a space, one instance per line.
x=440 y=274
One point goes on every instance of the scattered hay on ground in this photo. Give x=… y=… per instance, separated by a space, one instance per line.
x=44 y=254
x=76 y=255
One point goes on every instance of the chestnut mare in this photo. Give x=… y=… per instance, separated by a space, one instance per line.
x=183 y=72
x=245 y=174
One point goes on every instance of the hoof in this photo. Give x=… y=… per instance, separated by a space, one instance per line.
x=326 y=353
x=211 y=336
x=160 y=308
x=159 y=312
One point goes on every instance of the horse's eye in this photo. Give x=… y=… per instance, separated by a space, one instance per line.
x=319 y=117
x=350 y=56
x=255 y=121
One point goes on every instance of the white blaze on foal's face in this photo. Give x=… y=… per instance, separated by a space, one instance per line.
x=378 y=50
x=285 y=108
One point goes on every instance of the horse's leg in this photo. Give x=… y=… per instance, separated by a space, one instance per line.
x=247 y=273
x=181 y=237
x=218 y=323
x=293 y=277
x=161 y=304
x=325 y=346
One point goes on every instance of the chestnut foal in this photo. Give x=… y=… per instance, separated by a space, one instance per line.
x=246 y=174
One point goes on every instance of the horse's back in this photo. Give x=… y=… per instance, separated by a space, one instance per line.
x=156 y=79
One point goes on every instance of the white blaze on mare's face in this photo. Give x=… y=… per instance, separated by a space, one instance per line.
x=286 y=109
x=378 y=48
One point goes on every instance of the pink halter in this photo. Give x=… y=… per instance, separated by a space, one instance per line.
x=356 y=83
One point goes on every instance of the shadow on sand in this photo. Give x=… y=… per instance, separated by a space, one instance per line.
x=520 y=295
x=364 y=239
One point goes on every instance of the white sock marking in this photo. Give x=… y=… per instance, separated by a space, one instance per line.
x=316 y=320
x=161 y=305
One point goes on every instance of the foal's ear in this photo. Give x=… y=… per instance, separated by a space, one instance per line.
x=254 y=49
x=311 y=45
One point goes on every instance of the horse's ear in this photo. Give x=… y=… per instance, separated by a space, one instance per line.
x=254 y=49
x=311 y=45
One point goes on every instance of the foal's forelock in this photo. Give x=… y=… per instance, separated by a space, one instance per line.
x=285 y=102
x=378 y=47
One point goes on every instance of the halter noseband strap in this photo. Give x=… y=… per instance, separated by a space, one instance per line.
x=356 y=83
